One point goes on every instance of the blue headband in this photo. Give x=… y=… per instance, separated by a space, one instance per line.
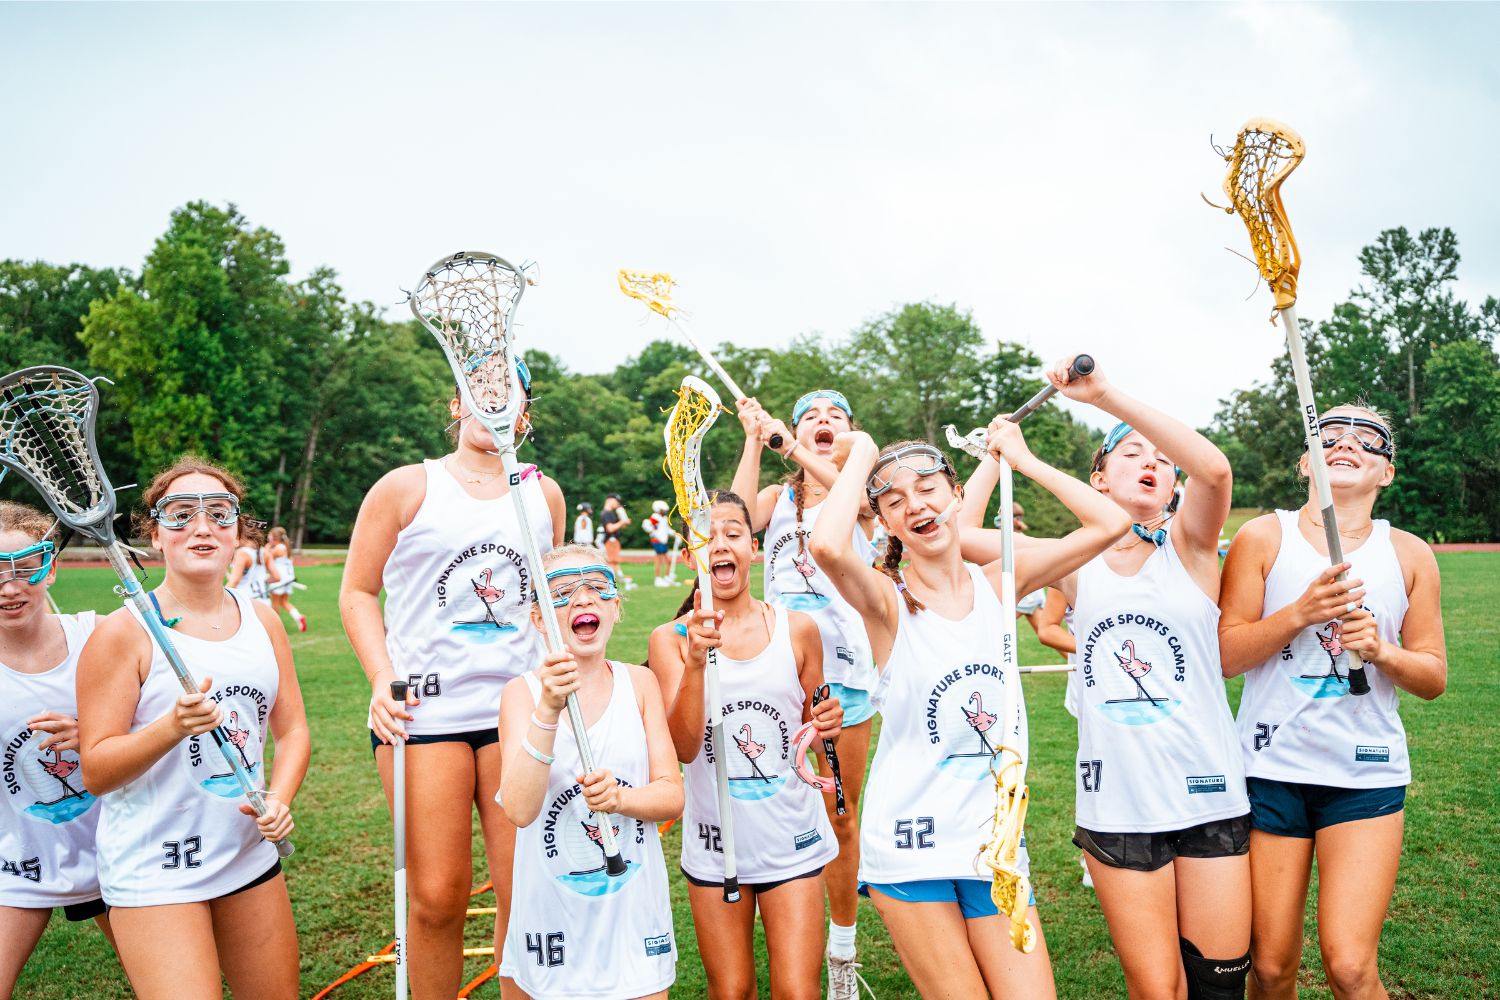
x=832 y=395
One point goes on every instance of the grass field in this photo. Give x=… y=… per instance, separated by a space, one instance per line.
x=1439 y=941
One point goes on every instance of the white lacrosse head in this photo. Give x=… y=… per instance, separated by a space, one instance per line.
x=974 y=444
x=47 y=418
x=697 y=408
x=467 y=301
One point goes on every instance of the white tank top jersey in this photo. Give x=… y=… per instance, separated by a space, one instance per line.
x=1156 y=744
x=574 y=930
x=286 y=574
x=458 y=602
x=780 y=828
x=794 y=581
x=930 y=799
x=1298 y=722
x=1070 y=695
x=176 y=833
x=255 y=581
x=47 y=826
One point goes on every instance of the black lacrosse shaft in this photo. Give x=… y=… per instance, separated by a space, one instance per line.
x=833 y=757
x=1081 y=366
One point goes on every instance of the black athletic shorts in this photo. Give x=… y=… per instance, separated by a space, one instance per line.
x=260 y=879
x=1146 y=852
x=477 y=739
x=755 y=887
x=77 y=912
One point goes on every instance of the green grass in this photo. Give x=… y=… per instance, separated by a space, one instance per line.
x=1440 y=941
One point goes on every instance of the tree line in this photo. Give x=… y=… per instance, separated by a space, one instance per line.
x=214 y=348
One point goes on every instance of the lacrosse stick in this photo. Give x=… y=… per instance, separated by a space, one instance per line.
x=655 y=289
x=47 y=416
x=467 y=301
x=802 y=743
x=695 y=412
x=398 y=810
x=1264 y=154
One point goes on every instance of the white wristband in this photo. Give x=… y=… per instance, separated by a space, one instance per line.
x=537 y=755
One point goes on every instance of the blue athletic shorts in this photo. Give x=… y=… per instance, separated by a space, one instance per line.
x=856 y=703
x=971 y=894
x=660 y=548
x=1289 y=809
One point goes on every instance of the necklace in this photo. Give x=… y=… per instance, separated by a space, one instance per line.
x=481 y=475
x=215 y=626
x=1353 y=533
x=1149 y=531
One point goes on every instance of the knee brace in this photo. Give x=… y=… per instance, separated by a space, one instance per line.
x=1214 y=978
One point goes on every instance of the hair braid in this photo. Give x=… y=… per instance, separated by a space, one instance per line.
x=892 y=568
x=795 y=482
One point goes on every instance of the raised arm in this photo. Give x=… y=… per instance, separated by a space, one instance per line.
x=867 y=589
x=678 y=664
x=977 y=491
x=1046 y=560
x=747 y=474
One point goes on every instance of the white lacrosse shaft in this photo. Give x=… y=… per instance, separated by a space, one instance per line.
x=613 y=863
x=398 y=820
x=716 y=738
x=130 y=588
x=1009 y=638
x=1050 y=668
x=706 y=355
x=1318 y=466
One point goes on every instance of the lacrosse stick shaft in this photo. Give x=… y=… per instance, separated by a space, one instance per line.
x=832 y=754
x=707 y=356
x=716 y=739
x=1081 y=366
x=1318 y=466
x=398 y=816
x=1008 y=598
x=1050 y=668
x=613 y=862
x=137 y=597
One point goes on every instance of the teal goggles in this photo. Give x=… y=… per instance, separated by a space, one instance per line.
x=177 y=510
x=1112 y=441
x=595 y=577
x=31 y=563
x=832 y=395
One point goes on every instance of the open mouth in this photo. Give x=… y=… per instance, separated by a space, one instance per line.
x=204 y=549
x=723 y=571
x=1342 y=462
x=823 y=438
x=12 y=606
x=1148 y=480
x=585 y=625
x=926 y=527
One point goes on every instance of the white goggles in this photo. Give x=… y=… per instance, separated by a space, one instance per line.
x=923 y=459
x=177 y=510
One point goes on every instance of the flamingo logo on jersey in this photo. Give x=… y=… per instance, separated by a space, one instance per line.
x=807 y=599
x=1130 y=665
x=756 y=783
x=965 y=711
x=1316 y=683
x=574 y=847
x=488 y=626
x=245 y=713
x=47 y=780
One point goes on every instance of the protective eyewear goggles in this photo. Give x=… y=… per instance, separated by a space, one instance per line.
x=597 y=578
x=923 y=459
x=31 y=563
x=832 y=395
x=1372 y=436
x=1112 y=441
x=177 y=510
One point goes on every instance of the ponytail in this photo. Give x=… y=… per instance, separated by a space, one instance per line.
x=687 y=602
x=892 y=568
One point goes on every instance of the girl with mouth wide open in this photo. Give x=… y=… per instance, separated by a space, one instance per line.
x=1327 y=770
x=936 y=635
x=770 y=663
x=575 y=930
x=786 y=512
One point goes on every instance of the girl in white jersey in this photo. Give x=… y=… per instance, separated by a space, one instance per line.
x=770 y=666
x=1160 y=792
x=47 y=823
x=190 y=875
x=937 y=639
x=283 y=576
x=786 y=512
x=248 y=570
x=575 y=930
x=1327 y=769
x=443 y=540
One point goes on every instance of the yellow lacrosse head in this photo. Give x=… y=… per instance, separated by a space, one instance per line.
x=696 y=410
x=1264 y=153
x=652 y=287
x=1010 y=887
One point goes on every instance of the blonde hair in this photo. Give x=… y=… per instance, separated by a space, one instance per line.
x=1360 y=404
x=24 y=518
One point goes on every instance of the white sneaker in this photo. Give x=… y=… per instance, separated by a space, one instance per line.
x=844 y=979
x=661 y=581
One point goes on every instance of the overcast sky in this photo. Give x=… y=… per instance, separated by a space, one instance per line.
x=798 y=168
